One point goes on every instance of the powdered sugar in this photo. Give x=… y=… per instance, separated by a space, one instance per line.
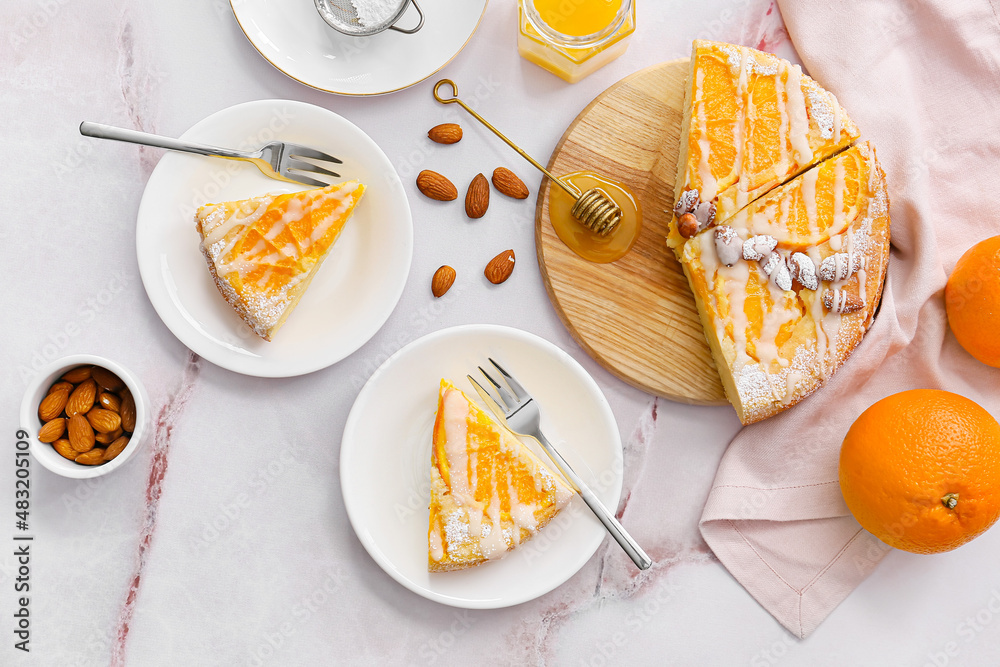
x=372 y=13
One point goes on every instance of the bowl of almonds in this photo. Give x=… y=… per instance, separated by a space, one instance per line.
x=87 y=416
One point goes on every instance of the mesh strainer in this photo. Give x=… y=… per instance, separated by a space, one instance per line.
x=343 y=16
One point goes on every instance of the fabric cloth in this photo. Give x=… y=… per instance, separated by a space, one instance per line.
x=922 y=82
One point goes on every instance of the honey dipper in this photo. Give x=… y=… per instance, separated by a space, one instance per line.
x=594 y=209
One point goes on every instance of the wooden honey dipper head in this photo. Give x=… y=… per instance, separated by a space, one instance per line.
x=594 y=209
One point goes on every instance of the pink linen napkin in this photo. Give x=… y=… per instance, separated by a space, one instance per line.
x=922 y=82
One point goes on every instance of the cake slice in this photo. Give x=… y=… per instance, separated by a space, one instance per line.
x=263 y=252
x=787 y=287
x=751 y=122
x=489 y=493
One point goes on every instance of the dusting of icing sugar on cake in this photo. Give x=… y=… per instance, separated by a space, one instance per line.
x=820 y=109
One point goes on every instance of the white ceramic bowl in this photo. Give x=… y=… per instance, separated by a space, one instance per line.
x=44 y=453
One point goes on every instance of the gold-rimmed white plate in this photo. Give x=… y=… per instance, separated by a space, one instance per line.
x=294 y=38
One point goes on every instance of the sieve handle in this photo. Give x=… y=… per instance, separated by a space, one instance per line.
x=419 y=25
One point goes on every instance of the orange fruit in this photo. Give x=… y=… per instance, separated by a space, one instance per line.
x=920 y=470
x=972 y=299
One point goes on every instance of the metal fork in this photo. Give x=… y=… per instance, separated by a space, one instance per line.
x=279 y=159
x=522 y=417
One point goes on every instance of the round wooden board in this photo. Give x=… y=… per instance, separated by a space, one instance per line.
x=635 y=316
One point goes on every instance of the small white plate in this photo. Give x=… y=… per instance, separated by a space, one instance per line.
x=385 y=459
x=294 y=38
x=349 y=299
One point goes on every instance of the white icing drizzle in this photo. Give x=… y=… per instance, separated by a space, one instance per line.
x=798 y=132
x=709 y=186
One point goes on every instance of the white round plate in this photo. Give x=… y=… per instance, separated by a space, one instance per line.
x=385 y=460
x=349 y=299
x=295 y=39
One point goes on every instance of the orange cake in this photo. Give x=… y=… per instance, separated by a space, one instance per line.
x=751 y=122
x=787 y=287
x=263 y=252
x=489 y=493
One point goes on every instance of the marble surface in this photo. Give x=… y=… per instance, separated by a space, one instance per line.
x=225 y=541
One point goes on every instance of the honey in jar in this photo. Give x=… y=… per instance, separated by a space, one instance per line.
x=574 y=38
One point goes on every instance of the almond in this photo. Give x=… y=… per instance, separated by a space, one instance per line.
x=82 y=398
x=128 y=412
x=81 y=434
x=52 y=405
x=446 y=133
x=103 y=420
x=52 y=430
x=477 y=199
x=442 y=281
x=687 y=225
x=110 y=401
x=91 y=457
x=62 y=446
x=507 y=183
x=115 y=448
x=500 y=267
x=60 y=386
x=106 y=379
x=108 y=438
x=436 y=186
x=78 y=374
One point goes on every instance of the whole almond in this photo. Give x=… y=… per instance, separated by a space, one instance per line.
x=82 y=398
x=507 y=183
x=52 y=430
x=108 y=438
x=477 y=199
x=106 y=379
x=52 y=405
x=115 y=448
x=91 y=457
x=500 y=267
x=63 y=447
x=81 y=433
x=446 y=133
x=442 y=281
x=61 y=386
x=77 y=375
x=436 y=186
x=128 y=412
x=110 y=401
x=103 y=420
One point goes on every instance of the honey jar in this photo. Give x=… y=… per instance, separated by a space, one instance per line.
x=574 y=38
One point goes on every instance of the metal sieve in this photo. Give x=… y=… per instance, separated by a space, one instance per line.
x=343 y=16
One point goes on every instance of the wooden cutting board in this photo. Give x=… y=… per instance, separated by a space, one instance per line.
x=635 y=316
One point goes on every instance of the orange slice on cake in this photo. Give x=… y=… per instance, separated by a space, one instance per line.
x=489 y=493
x=263 y=252
x=752 y=121
x=787 y=287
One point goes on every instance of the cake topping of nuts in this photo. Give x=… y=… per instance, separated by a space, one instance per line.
x=802 y=269
x=758 y=247
x=686 y=203
x=687 y=225
x=705 y=213
x=727 y=245
x=841 y=302
x=840 y=266
x=777 y=270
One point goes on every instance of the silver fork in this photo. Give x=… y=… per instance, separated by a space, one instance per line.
x=279 y=159
x=522 y=417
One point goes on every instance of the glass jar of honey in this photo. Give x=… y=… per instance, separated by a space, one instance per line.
x=574 y=38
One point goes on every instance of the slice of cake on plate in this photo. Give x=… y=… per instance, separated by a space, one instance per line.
x=489 y=492
x=751 y=122
x=263 y=252
x=787 y=287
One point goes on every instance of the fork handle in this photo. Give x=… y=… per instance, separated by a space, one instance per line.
x=100 y=131
x=625 y=541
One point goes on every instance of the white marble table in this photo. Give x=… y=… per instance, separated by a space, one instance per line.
x=225 y=541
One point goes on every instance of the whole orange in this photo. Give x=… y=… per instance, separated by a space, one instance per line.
x=972 y=299
x=920 y=470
